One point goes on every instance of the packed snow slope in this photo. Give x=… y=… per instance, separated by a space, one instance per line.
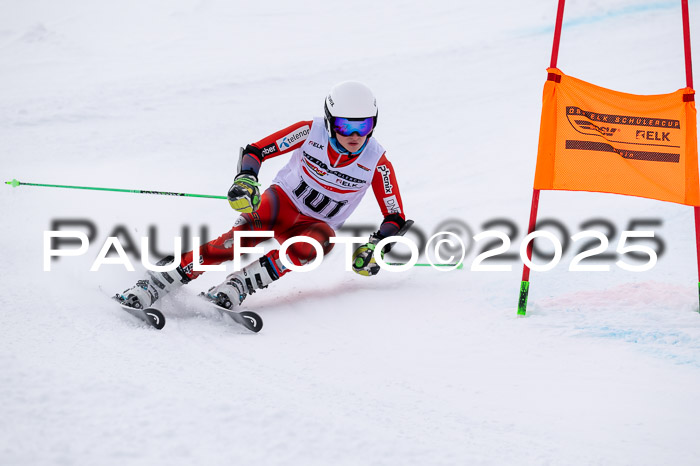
x=411 y=368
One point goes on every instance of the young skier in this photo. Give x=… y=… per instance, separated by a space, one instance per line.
x=333 y=162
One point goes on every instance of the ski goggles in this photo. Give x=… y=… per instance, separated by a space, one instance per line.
x=348 y=126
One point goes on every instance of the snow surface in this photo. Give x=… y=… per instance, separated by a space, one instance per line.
x=413 y=368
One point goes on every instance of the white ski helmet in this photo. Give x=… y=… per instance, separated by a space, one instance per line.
x=352 y=100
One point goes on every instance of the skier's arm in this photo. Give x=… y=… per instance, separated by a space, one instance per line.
x=281 y=142
x=386 y=190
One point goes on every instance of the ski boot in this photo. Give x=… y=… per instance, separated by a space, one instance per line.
x=154 y=286
x=246 y=281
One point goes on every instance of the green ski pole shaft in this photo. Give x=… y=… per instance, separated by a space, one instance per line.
x=15 y=183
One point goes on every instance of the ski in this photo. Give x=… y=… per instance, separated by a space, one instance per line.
x=248 y=319
x=151 y=316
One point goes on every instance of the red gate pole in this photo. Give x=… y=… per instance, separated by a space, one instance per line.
x=557 y=34
x=686 y=45
x=689 y=83
x=525 y=282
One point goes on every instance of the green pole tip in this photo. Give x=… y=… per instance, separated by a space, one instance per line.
x=522 y=300
x=14 y=183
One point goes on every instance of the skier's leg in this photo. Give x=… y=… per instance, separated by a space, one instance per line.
x=254 y=276
x=280 y=215
x=269 y=268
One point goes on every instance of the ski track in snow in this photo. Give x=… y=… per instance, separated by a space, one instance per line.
x=412 y=369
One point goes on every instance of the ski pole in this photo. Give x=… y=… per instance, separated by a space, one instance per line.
x=15 y=183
